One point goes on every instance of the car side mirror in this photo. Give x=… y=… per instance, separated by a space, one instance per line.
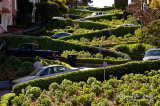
x=142 y=55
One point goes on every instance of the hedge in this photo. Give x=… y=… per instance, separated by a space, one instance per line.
x=77 y=76
x=72 y=16
x=14 y=26
x=46 y=43
x=103 y=9
x=120 y=31
x=114 y=44
x=79 y=12
x=82 y=24
x=37 y=33
x=6 y=98
x=97 y=61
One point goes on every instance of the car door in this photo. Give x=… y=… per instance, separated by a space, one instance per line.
x=46 y=72
x=59 y=69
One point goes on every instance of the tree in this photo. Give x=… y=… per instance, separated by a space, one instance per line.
x=151 y=33
x=24 y=16
x=151 y=14
x=120 y=4
x=47 y=10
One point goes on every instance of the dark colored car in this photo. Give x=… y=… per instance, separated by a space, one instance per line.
x=31 y=50
x=58 y=35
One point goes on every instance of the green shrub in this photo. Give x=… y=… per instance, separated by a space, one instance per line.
x=100 y=102
x=110 y=93
x=33 y=92
x=135 y=51
x=65 y=83
x=96 y=89
x=91 y=80
x=54 y=86
x=44 y=101
x=27 y=68
x=5 y=99
x=37 y=33
x=86 y=99
x=19 y=100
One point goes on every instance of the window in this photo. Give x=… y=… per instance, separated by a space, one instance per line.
x=47 y=71
x=59 y=69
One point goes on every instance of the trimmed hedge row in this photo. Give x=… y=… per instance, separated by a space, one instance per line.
x=77 y=76
x=120 y=31
x=47 y=43
x=114 y=44
x=103 y=9
x=97 y=61
x=6 y=98
x=37 y=33
x=82 y=24
x=72 y=16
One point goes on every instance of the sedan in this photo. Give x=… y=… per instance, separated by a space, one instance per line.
x=152 y=54
x=58 y=35
x=44 y=72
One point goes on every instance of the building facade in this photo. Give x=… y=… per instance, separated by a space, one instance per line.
x=8 y=13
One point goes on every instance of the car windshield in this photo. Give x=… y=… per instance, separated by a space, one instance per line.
x=153 y=53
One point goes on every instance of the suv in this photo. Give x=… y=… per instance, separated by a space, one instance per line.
x=152 y=54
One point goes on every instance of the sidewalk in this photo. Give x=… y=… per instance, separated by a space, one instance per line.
x=4 y=87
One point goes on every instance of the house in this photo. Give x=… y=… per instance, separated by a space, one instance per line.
x=8 y=14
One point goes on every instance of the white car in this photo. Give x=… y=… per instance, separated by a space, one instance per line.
x=97 y=14
x=59 y=18
x=126 y=25
x=44 y=72
x=152 y=54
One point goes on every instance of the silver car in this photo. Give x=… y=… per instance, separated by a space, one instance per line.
x=44 y=72
x=152 y=54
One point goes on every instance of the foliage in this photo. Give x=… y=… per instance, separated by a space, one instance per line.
x=118 y=32
x=117 y=70
x=6 y=98
x=54 y=86
x=135 y=51
x=44 y=101
x=37 y=33
x=33 y=92
x=86 y=99
x=151 y=33
x=47 y=43
x=26 y=69
x=120 y=4
x=124 y=91
x=54 y=8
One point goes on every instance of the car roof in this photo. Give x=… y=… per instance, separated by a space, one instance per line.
x=154 y=49
x=52 y=66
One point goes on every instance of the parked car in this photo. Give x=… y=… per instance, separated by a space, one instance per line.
x=126 y=25
x=59 y=18
x=81 y=19
x=152 y=54
x=31 y=50
x=97 y=14
x=58 y=35
x=44 y=72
